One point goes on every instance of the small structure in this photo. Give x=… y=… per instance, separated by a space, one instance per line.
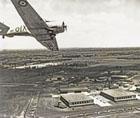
x=76 y=99
x=56 y=78
x=119 y=77
x=118 y=95
x=102 y=79
x=138 y=89
x=73 y=90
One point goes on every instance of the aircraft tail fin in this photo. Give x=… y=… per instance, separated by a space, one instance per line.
x=3 y=29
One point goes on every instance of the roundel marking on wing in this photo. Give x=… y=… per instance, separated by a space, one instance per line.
x=23 y=3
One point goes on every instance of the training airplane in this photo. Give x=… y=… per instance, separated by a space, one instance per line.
x=35 y=26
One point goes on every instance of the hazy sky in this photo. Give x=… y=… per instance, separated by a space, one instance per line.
x=91 y=23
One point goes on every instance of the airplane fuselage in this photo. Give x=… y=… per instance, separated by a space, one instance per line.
x=18 y=31
x=23 y=31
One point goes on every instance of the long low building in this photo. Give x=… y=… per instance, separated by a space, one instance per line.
x=73 y=90
x=76 y=99
x=118 y=95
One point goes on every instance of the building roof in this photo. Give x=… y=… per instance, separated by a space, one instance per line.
x=74 y=97
x=117 y=93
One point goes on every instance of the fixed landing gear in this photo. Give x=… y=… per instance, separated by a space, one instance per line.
x=3 y=36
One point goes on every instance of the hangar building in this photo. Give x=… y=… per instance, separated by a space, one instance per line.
x=118 y=95
x=76 y=99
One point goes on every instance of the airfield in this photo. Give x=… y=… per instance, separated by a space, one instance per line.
x=28 y=83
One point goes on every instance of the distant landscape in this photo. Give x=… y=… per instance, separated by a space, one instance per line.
x=28 y=73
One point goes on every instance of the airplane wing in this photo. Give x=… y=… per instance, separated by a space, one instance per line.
x=35 y=24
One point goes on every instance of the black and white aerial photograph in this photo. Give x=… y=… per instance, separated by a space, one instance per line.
x=69 y=58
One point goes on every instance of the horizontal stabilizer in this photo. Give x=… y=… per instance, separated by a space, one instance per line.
x=3 y=29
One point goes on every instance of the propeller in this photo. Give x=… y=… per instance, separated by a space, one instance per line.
x=64 y=26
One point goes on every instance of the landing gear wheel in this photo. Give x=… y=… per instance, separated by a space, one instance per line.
x=3 y=36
